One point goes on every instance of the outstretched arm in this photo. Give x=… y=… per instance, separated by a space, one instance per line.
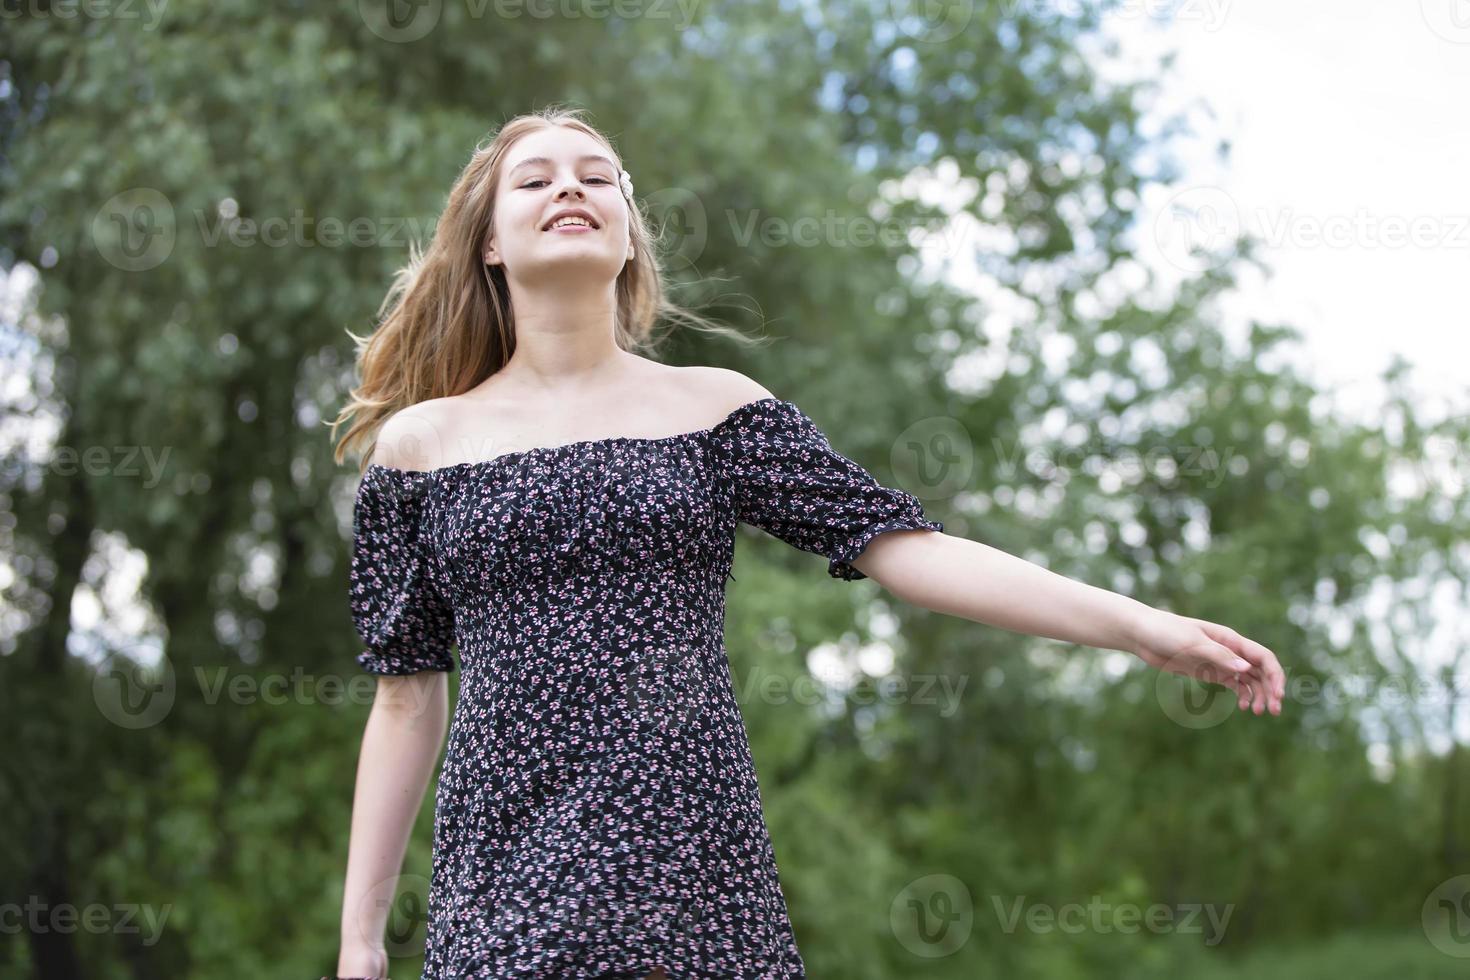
x=960 y=577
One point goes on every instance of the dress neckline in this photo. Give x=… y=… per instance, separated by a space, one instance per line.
x=472 y=464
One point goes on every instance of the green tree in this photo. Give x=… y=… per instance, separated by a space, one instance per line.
x=175 y=182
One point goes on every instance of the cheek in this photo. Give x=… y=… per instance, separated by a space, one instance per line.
x=515 y=217
x=618 y=222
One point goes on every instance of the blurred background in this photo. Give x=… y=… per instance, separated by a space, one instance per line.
x=1165 y=296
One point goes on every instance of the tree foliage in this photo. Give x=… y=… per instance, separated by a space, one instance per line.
x=185 y=185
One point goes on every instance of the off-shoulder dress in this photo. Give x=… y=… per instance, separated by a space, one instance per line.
x=597 y=813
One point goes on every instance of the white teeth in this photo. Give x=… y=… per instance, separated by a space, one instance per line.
x=570 y=221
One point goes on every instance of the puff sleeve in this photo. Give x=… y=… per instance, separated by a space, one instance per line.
x=790 y=482
x=397 y=609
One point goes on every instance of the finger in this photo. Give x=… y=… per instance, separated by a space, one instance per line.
x=1209 y=669
x=1267 y=667
x=1226 y=659
x=1269 y=679
x=1220 y=665
x=1212 y=672
x=1238 y=677
x=1271 y=667
x=1233 y=686
x=1264 y=677
x=1250 y=685
x=1244 y=688
x=1256 y=691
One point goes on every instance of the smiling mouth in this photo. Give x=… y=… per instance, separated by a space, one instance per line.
x=581 y=221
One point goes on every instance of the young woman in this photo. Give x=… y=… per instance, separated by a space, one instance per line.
x=563 y=509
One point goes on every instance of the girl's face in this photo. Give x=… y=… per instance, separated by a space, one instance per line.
x=548 y=172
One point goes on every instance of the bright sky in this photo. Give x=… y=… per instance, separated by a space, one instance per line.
x=1350 y=155
x=1350 y=152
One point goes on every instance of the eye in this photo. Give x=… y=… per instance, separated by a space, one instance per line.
x=540 y=180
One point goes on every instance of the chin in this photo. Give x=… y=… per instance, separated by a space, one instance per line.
x=580 y=264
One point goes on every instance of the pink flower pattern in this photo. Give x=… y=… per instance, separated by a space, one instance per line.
x=597 y=813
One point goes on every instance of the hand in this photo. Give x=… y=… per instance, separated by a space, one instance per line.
x=360 y=960
x=1210 y=652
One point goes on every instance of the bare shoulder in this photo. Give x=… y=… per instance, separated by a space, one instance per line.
x=414 y=438
x=722 y=389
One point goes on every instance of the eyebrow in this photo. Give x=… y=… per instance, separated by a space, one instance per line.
x=547 y=162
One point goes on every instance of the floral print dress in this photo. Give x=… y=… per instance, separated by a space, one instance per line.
x=597 y=813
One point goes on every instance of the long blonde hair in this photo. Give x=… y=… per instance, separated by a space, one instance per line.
x=449 y=324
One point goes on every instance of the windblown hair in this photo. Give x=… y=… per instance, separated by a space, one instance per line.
x=449 y=324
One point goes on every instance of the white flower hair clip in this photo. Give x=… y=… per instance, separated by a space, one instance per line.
x=626 y=182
